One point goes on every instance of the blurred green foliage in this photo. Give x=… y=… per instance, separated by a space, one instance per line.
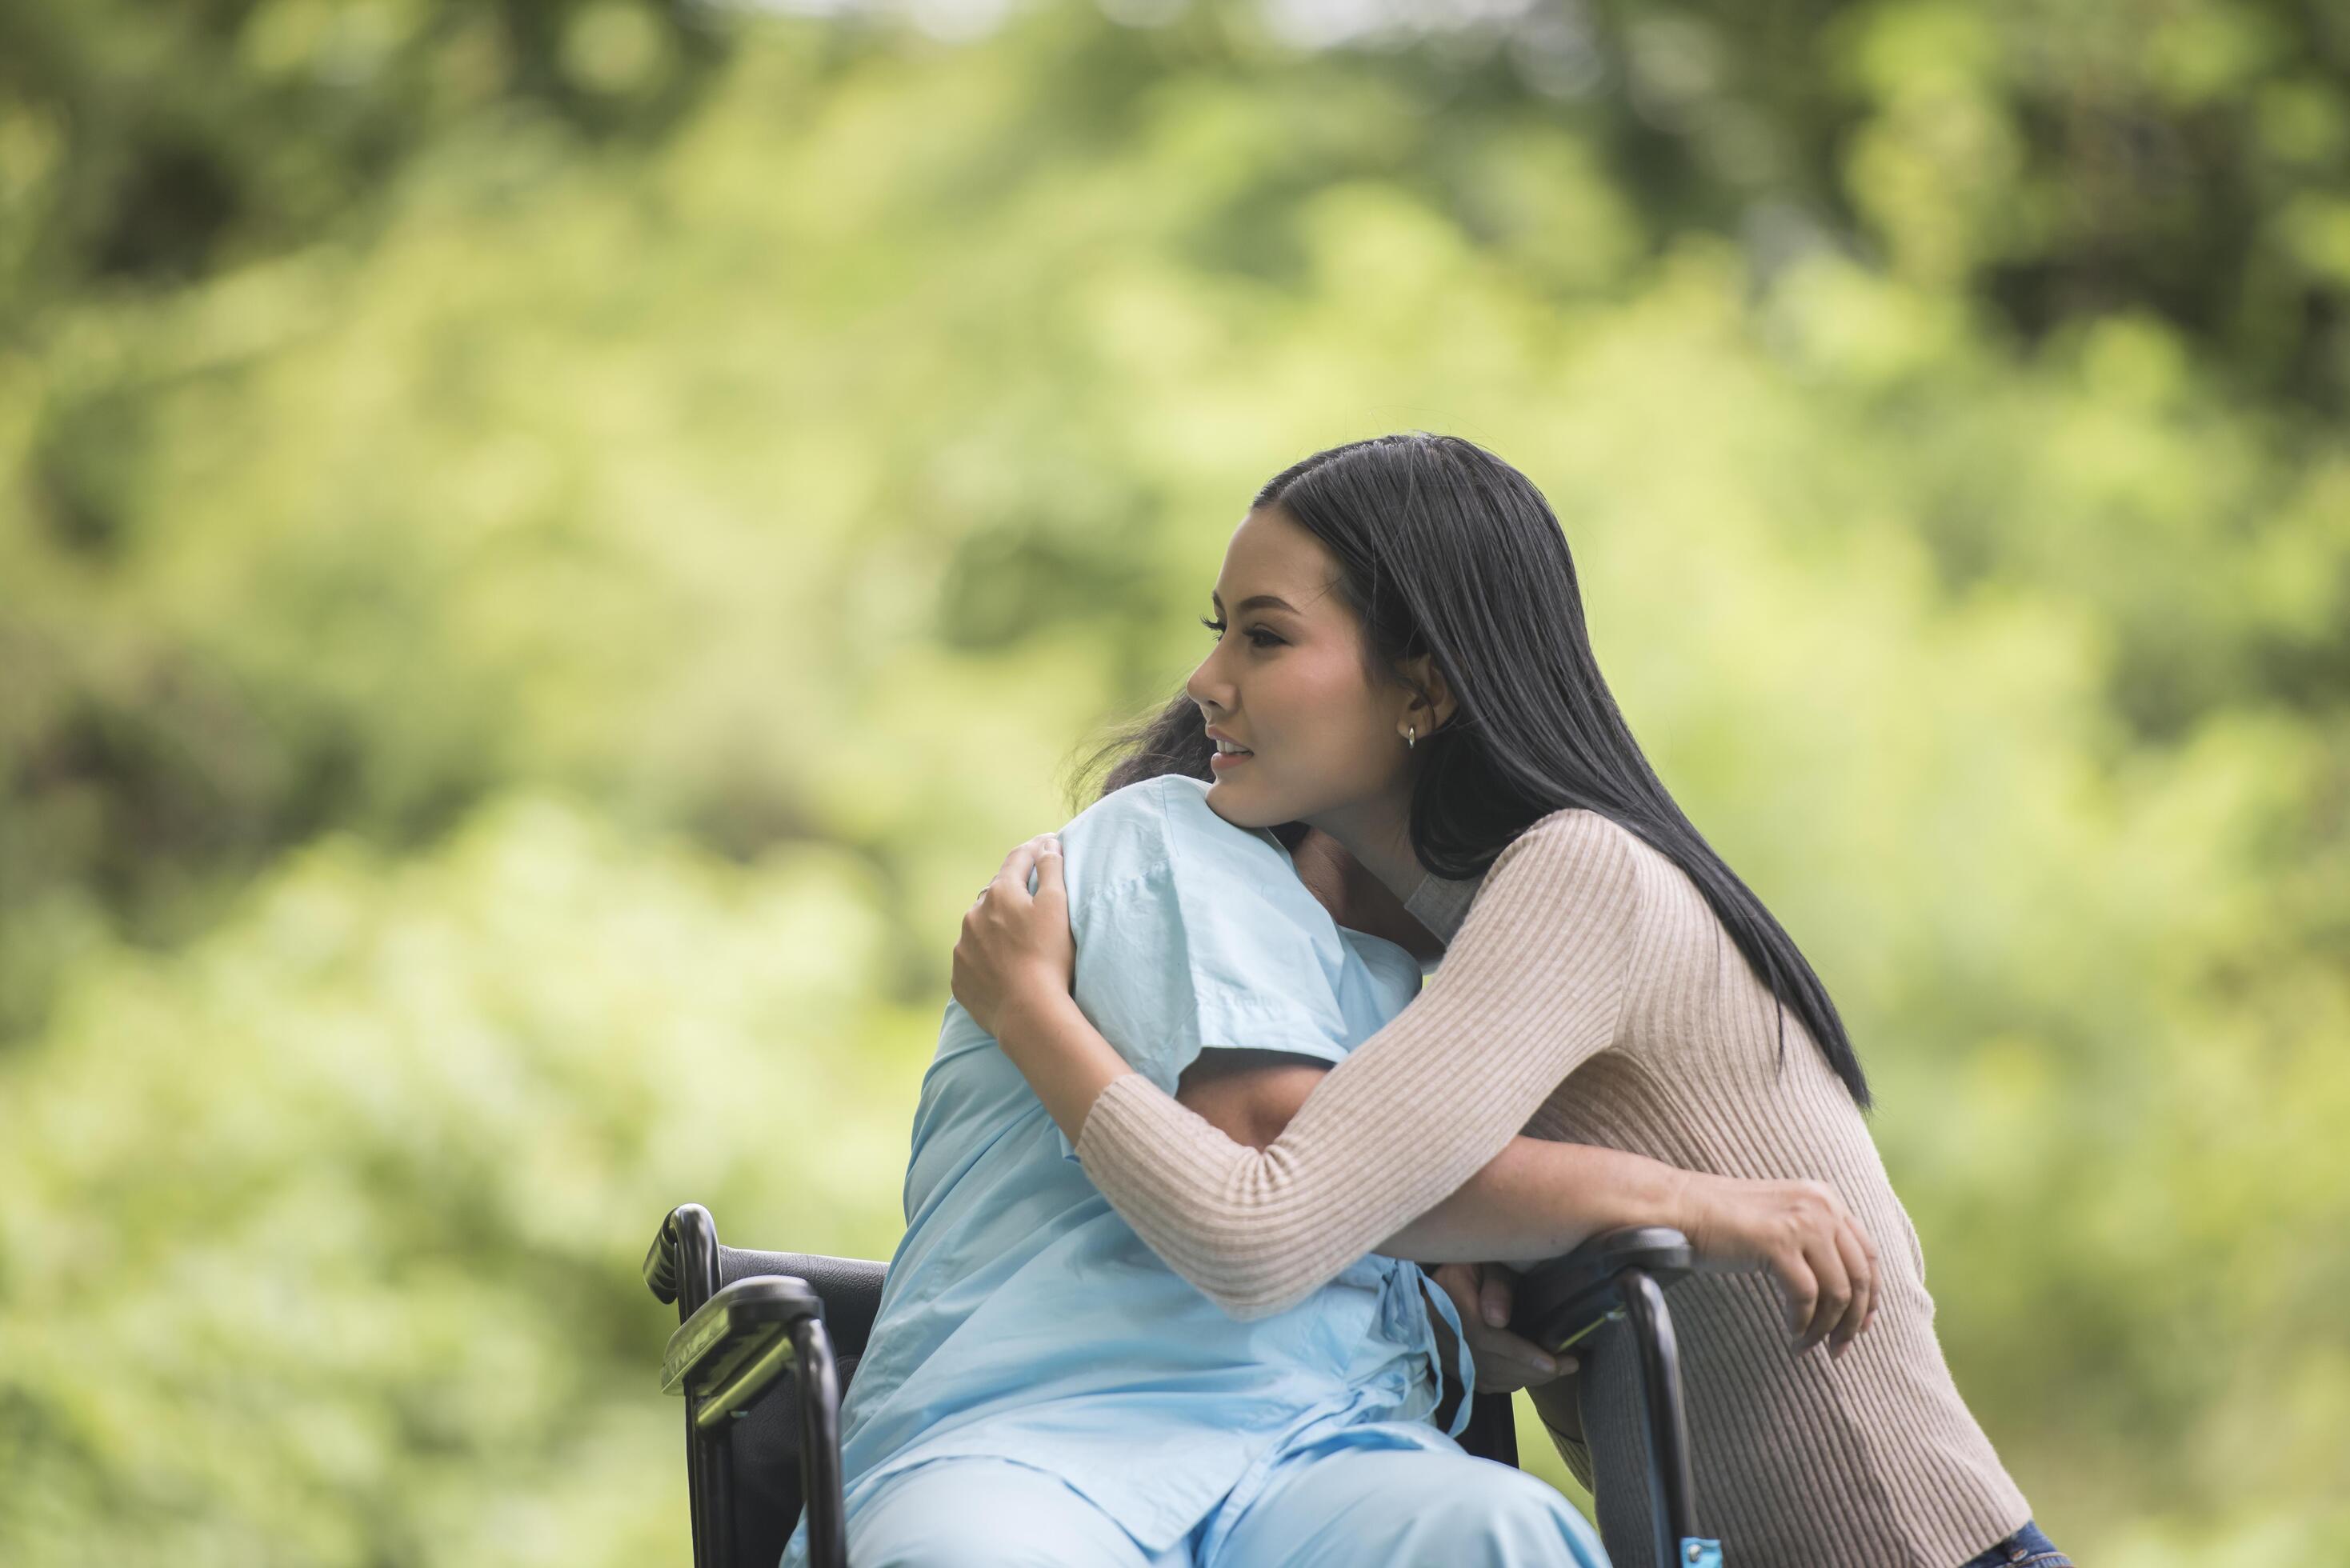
x=545 y=548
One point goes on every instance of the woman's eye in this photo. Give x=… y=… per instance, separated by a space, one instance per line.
x=1258 y=637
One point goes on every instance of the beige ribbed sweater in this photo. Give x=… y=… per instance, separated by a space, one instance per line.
x=1591 y=995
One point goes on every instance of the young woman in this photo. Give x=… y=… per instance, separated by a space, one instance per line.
x=1401 y=667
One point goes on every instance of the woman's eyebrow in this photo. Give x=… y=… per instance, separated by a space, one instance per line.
x=1255 y=601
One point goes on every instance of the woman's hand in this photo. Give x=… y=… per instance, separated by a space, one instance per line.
x=1505 y=1362
x=1015 y=949
x=1801 y=1231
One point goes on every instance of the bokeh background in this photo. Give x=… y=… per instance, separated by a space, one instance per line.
x=545 y=547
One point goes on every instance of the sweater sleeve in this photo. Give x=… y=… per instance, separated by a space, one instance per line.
x=1532 y=986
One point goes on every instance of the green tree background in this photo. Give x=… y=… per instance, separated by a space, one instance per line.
x=545 y=547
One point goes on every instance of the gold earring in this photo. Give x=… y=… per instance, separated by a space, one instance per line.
x=1410 y=737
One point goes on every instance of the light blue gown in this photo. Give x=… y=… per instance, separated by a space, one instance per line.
x=1041 y=1389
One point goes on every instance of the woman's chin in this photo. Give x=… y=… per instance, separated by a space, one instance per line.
x=1229 y=799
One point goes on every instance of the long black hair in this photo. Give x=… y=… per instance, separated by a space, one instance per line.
x=1444 y=549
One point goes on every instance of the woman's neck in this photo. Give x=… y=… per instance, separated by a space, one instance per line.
x=1377 y=837
x=1357 y=899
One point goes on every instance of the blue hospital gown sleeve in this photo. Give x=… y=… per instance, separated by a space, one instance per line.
x=1194 y=934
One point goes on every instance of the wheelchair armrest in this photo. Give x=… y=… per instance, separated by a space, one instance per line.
x=740 y=1341
x=1564 y=1300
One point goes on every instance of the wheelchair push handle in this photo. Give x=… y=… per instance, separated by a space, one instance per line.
x=1566 y=1299
x=685 y=1248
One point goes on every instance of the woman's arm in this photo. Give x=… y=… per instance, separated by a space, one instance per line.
x=1535 y=1200
x=1539 y=1199
x=1250 y=1096
x=1532 y=986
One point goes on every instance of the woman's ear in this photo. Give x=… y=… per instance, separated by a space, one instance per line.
x=1435 y=710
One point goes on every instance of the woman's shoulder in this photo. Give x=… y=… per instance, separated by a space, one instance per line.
x=1581 y=854
x=1573 y=833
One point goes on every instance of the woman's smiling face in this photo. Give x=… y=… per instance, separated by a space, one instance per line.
x=1286 y=680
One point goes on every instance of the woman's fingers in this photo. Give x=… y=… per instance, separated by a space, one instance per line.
x=1826 y=1261
x=1875 y=1294
x=1504 y=1360
x=1800 y=1288
x=1050 y=886
x=1017 y=866
x=1498 y=1296
x=1852 y=1245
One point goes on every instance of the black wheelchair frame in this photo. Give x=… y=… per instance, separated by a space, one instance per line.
x=768 y=1343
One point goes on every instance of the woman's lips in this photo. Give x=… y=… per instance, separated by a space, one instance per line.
x=1220 y=761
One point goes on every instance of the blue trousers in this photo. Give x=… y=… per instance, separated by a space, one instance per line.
x=1324 y=1505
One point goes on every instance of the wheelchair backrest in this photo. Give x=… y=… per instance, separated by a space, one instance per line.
x=765 y=1446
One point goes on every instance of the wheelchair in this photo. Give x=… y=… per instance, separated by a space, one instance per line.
x=768 y=1343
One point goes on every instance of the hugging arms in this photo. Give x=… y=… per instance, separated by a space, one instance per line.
x=1535 y=1200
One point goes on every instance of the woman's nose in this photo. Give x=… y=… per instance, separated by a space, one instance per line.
x=1208 y=692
